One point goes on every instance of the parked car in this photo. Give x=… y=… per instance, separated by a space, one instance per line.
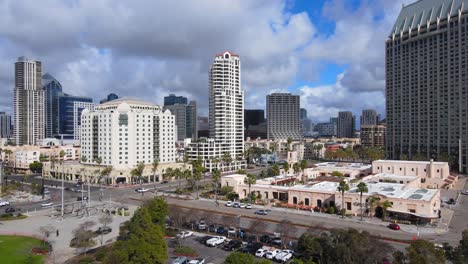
x=464 y=192
x=215 y=241
x=184 y=234
x=242 y=205
x=197 y=261
x=231 y=231
x=228 y=204
x=79 y=198
x=202 y=225
x=233 y=245
x=284 y=255
x=4 y=203
x=235 y=205
x=271 y=254
x=248 y=206
x=261 y=212
x=260 y=252
x=46 y=204
x=204 y=239
x=451 y=201
x=104 y=230
x=10 y=210
x=251 y=248
x=221 y=230
x=180 y=260
x=265 y=239
x=394 y=226
x=141 y=190
x=276 y=241
x=46 y=191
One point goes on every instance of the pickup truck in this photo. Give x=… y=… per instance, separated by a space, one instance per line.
x=215 y=241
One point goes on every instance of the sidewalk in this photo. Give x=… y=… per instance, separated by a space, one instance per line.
x=440 y=229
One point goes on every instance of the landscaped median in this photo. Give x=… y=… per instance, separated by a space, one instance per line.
x=21 y=249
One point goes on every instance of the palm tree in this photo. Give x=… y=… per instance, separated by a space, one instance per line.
x=249 y=180
x=198 y=171
x=104 y=174
x=227 y=159
x=296 y=168
x=275 y=169
x=289 y=143
x=84 y=159
x=385 y=205
x=362 y=188
x=177 y=174
x=286 y=167
x=216 y=175
x=303 y=165
x=138 y=172
x=343 y=187
x=373 y=201
x=274 y=147
x=98 y=160
x=187 y=175
x=154 y=169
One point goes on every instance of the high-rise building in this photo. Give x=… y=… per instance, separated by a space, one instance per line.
x=426 y=82
x=5 y=125
x=373 y=136
x=185 y=119
x=226 y=107
x=28 y=102
x=369 y=117
x=303 y=113
x=78 y=108
x=172 y=99
x=125 y=132
x=110 y=97
x=67 y=111
x=345 y=124
x=283 y=116
x=226 y=117
x=326 y=129
x=255 y=124
x=52 y=89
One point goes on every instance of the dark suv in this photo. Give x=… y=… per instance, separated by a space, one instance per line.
x=233 y=245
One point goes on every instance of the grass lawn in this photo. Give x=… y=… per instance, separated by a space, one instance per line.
x=17 y=250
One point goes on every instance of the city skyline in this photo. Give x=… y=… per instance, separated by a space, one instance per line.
x=180 y=67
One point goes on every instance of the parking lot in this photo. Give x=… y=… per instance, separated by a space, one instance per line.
x=217 y=254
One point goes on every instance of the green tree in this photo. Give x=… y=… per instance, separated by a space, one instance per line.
x=249 y=180
x=169 y=174
x=216 y=175
x=98 y=160
x=460 y=253
x=198 y=171
x=286 y=167
x=385 y=205
x=421 y=252
x=36 y=166
x=158 y=209
x=337 y=174
x=104 y=174
x=227 y=159
x=296 y=168
x=137 y=172
x=275 y=170
x=142 y=242
x=289 y=142
x=342 y=188
x=362 y=188
x=303 y=165
x=373 y=202
x=241 y=171
x=239 y=258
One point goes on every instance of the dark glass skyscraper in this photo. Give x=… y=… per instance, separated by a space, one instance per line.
x=52 y=89
x=66 y=112
x=110 y=97
x=172 y=99
x=427 y=82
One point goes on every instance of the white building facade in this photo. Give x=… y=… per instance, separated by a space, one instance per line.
x=124 y=132
x=78 y=108
x=28 y=102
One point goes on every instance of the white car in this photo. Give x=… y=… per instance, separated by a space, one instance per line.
x=197 y=261
x=272 y=253
x=284 y=255
x=46 y=204
x=242 y=205
x=231 y=231
x=228 y=204
x=215 y=241
x=248 y=206
x=260 y=252
x=202 y=225
x=141 y=190
x=46 y=191
x=4 y=203
x=184 y=234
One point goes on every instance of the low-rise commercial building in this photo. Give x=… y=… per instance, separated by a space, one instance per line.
x=373 y=136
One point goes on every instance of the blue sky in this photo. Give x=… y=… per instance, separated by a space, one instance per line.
x=331 y=52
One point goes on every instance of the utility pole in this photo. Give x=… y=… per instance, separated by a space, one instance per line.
x=63 y=180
